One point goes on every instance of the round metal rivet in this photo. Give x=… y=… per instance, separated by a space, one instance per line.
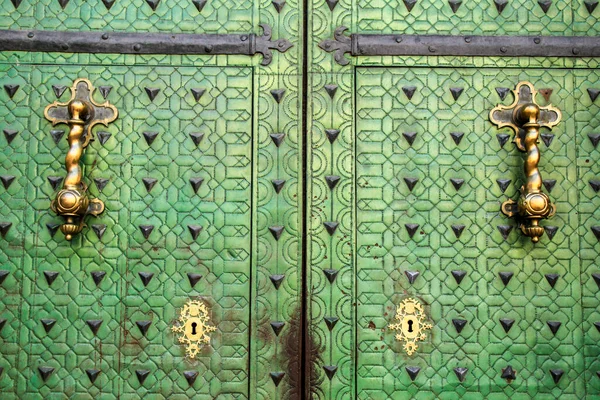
x=105 y=36
x=65 y=46
x=137 y=47
x=432 y=49
x=468 y=39
x=575 y=50
x=243 y=38
x=30 y=35
x=208 y=48
x=536 y=40
x=503 y=49
x=398 y=39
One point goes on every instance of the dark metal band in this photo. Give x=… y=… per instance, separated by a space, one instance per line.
x=440 y=45
x=143 y=43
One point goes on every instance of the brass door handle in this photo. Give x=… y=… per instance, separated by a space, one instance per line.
x=526 y=118
x=81 y=113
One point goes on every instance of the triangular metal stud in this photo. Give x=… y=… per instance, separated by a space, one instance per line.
x=48 y=324
x=593 y=93
x=331 y=90
x=92 y=374
x=197 y=93
x=500 y=6
x=94 y=325
x=99 y=230
x=459 y=275
x=7 y=180
x=276 y=231
x=549 y=184
x=332 y=134
x=412 y=372
x=57 y=134
x=545 y=5
x=457 y=183
x=100 y=183
x=554 y=326
x=105 y=90
x=3 y=275
x=278 y=4
x=331 y=227
x=141 y=374
x=58 y=90
x=457 y=137
x=550 y=231
x=505 y=230
x=2 y=323
x=502 y=92
x=502 y=139
x=331 y=4
x=595 y=185
x=456 y=92
x=278 y=185
x=597 y=279
x=410 y=137
x=197 y=137
x=190 y=377
x=591 y=5
x=277 y=138
x=193 y=278
x=63 y=3
x=97 y=276
x=45 y=372
x=509 y=374
x=152 y=92
x=547 y=138
x=150 y=137
x=454 y=5
x=103 y=137
x=330 y=371
x=594 y=138
x=50 y=277
x=278 y=94
x=153 y=4
x=461 y=373
x=55 y=182
x=277 y=327
x=411 y=229
x=556 y=374
x=143 y=326
x=4 y=228
x=597 y=325
x=330 y=274
x=332 y=181
x=196 y=183
x=552 y=279
x=16 y=3
x=149 y=183
x=11 y=90
x=503 y=184
x=596 y=231
x=194 y=231
x=505 y=277
x=276 y=280
x=507 y=323
x=199 y=4
x=52 y=228
x=330 y=322
x=146 y=230
x=409 y=91
x=459 y=324
x=412 y=276
x=411 y=182
x=145 y=277
x=9 y=134
x=458 y=230
x=277 y=377
x=409 y=4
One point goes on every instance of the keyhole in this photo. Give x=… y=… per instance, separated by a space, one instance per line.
x=194 y=325
x=410 y=324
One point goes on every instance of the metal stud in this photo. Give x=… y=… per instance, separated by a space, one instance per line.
x=16 y=3
x=412 y=372
x=52 y=228
x=11 y=90
x=457 y=183
x=547 y=138
x=143 y=326
x=332 y=181
x=105 y=90
x=98 y=276
x=63 y=3
x=545 y=5
x=330 y=274
x=45 y=372
x=278 y=4
x=459 y=324
x=331 y=227
x=411 y=182
x=502 y=92
x=549 y=184
x=146 y=230
x=196 y=183
x=276 y=280
x=500 y=6
x=94 y=325
x=594 y=138
x=92 y=374
x=149 y=183
x=10 y=135
x=550 y=231
x=197 y=137
x=331 y=4
x=332 y=134
x=141 y=374
x=3 y=275
x=411 y=229
x=556 y=374
x=459 y=275
x=4 y=228
x=502 y=139
x=57 y=135
x=505 y=230
x=150 y=137
x=197 y=93
x=330 y=322
x=55 y=182
x=278 y=94
x=458 y=230
x=457 y=137
x=454 y=5
x=410 y=137
x=593 y=93
x=461 y=373
x=597 y=279
x=554 y=326
x=278 y=185
x=277 y=327
x=194 y=231
x=409 y=4
x=591 y=5
x=99 y=230
x=552 y=278
x=546 y=93
x=456 y=92
x=503 y=184
x=50 y=277
x=412 y=276
x=7 y=180
x=103 y=137
x=276 y=231
x=277 y=377
x=330 y=371
x=331 y=90
x=505 y=277
x=145 y=277
x=509 y=374
x=199 y=4
x=277 y=138
x=507 y=323
x=190 y=377
x=59 y=90
x=100 y=183
x=152 y=92
x=409 y=91
x=596 y=231
x=193 y=278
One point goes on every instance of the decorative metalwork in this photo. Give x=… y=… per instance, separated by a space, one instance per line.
x=411 y=324
x=144 y=43
x=194 y=327
x=525 y=117
x=452 y=45
x=81 y=113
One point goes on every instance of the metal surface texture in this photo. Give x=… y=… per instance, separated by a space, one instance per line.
x=446 y=45
x=148 y=43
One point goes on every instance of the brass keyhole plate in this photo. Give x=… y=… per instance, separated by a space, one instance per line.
x=411 y=324
x=193 y=326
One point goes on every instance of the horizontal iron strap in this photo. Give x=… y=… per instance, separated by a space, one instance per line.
x=445 y=45
x=510 y=46
x=143 y=43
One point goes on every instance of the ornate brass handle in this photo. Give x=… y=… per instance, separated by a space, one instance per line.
x=81 y=113
x=526 y=117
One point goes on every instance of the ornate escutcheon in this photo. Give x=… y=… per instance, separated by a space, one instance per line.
x=81 y=113
x=194 y=327
x=525 y=117
x=411 y=324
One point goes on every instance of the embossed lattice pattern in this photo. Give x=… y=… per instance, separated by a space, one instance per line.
x=430 y=171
